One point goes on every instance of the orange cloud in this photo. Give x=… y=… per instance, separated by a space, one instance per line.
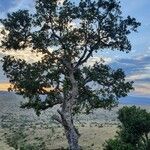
x=4 y=86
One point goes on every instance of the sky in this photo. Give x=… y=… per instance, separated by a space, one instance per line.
x=136 y=63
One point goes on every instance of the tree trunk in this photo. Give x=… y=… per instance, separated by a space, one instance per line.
x=70 y=131
x=69 y=103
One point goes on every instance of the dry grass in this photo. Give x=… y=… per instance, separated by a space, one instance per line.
x=92 y=137
x=94 y=129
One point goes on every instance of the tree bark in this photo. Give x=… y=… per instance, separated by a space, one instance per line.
x=66 y=113
x=71 y=132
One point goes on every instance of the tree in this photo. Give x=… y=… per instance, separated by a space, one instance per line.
x=135 y=125
x=75 y=31
x=134 y=130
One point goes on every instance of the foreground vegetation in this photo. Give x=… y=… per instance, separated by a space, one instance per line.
x=19 y=132
x=95 y=128
x=31 y=136
x=134 y=130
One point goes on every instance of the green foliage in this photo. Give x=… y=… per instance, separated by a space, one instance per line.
x=19 y=24
x=116 y=144
x=98 y=25
x=113 y=87
x=134 y=130
x=136 y=122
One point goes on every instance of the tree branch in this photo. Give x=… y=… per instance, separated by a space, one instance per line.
x=57 y=118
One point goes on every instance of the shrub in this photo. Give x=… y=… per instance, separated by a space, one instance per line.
x=134 y=130
x=117 y=144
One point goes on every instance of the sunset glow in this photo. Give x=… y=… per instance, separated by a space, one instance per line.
x=4 y=86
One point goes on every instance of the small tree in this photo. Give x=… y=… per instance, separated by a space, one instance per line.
x=75 y=31
x=135 y=125
x=134 y=130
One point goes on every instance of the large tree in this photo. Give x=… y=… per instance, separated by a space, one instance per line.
x=67 y=34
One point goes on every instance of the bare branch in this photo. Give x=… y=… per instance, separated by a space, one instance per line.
x=57 y=118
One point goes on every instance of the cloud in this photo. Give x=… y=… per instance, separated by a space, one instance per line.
x=142 y=89
x=139 y=76
x=137 y=67
x=22 y=54
x=137 y=70
x=4 y=86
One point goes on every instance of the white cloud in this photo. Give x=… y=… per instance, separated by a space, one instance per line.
x=138 y=76
x=147 y=67
x=91 y=61
x=141 y=74
x=23 y=54
x=142 y=89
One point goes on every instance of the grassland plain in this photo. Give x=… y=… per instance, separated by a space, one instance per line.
x=23 y=126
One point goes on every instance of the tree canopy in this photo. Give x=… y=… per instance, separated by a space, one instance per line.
x=67 y=34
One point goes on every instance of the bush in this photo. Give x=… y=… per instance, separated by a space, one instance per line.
x=134 y=130
x=116 y=144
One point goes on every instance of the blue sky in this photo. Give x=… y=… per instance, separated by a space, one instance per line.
x=136 y=63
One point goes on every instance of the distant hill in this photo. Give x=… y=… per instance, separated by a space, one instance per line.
x=10 y=109
x=10 y=102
